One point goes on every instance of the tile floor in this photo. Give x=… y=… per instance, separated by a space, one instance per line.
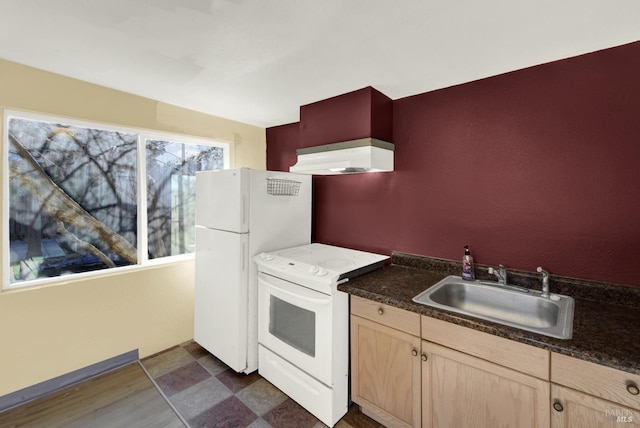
x=207 y=393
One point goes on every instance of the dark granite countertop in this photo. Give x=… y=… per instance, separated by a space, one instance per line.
x=606 y=323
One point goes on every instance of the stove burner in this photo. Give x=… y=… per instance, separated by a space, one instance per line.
x=336 y=263
x=296 y=252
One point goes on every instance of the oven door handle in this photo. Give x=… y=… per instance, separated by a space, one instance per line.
x=300 y=294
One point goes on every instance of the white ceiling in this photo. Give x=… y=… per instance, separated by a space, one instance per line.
x=257 y=61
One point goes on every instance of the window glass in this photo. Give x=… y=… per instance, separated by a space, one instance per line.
x=72 y=199
x=171 y=180
x=79 y=194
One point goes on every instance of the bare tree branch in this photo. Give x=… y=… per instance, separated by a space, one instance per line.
x=63 y=208
x=82 y=244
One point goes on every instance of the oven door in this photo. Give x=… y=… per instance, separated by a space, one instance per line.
x=296 y=323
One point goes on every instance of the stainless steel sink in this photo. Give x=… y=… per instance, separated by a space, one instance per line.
x=503 y=305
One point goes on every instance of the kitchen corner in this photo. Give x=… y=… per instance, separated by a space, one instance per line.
x=606 y=316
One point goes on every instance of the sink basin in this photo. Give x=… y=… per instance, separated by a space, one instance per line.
x=492 y=302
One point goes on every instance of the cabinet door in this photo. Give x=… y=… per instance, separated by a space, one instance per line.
x=596 y=380
x=573 y=409
x=385 y=373
x=459 y=390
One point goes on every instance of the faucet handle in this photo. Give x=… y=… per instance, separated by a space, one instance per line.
x=545 y=282
x=543 y=272
x=500 y=272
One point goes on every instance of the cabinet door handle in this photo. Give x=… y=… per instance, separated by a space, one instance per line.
x=414 y=352
x=632 y=389
x=557 y=406
x=424 y=357
x=380 y=311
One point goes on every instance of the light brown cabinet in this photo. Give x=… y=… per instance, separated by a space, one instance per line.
x=403 y=381
x=462 y=390
x=586 y=394
x=499 y=350
x=409 y=370
x=385 y=362
x=385 y=373
x=574 y=409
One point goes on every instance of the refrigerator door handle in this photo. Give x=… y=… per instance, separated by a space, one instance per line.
x=243 y=257
x=244 y=210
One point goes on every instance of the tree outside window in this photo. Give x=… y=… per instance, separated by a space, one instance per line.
x=171 y=193
x=73 y=197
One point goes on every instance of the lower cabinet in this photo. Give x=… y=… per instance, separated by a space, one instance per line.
x=475 y=379
x=385 y=362
x=459 y=390
x=574 y=409
x=402 y=380
x=412 y=371
x=585 y=394
x=385 y=373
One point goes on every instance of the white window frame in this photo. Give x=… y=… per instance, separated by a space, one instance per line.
x=142 y=239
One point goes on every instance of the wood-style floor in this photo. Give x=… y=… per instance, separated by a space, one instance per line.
x=125 y=397
x=183 y=386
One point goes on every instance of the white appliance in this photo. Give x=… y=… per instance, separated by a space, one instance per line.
x=346 y=157
x=303 y=323
x=241 y=213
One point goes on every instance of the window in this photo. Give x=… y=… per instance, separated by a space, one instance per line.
x=171 y=193
x=85 y=198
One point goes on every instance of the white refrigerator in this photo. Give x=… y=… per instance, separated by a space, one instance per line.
x=241 y=213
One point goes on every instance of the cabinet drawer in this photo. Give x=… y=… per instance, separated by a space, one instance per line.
x=402 y=320
x=594 y=379
x=508 y=353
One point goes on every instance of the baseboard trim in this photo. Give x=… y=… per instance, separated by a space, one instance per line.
x=41 y=389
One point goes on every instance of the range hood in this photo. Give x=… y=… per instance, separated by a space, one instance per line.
x=347 y=157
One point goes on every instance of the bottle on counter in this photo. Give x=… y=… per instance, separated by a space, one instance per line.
x=467 y=265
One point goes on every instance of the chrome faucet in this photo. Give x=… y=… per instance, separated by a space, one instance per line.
x=545 y=282
x=501 y=274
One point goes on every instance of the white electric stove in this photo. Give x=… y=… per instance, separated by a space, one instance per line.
x=318 y=266
x=303 y=323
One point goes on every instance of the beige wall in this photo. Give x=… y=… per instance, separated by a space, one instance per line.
x=52 y=330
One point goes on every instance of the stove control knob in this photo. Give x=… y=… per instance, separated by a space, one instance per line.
x=266 y=257
x=321 y=272
x=313 y=269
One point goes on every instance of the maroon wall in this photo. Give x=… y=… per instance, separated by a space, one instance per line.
x=282 y=142
x=358 y=114
x=538 y=167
